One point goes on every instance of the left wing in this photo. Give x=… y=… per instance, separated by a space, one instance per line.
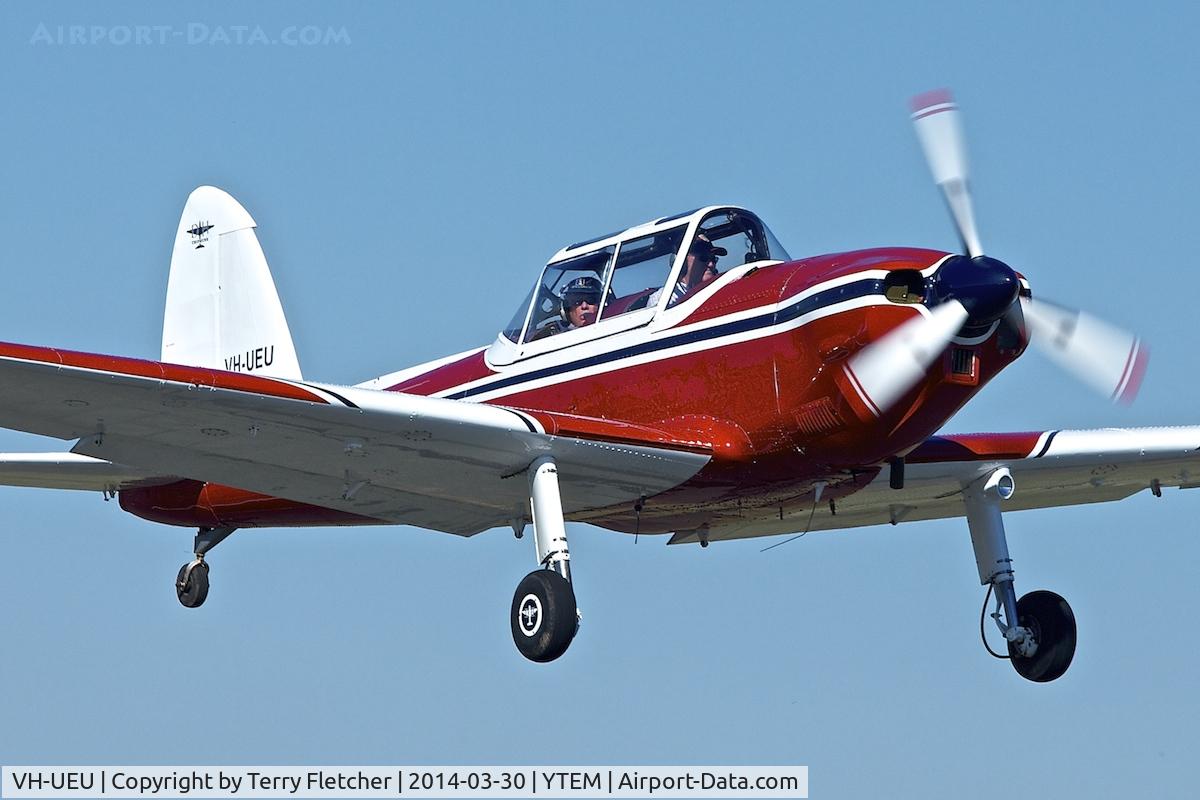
x=443 y=464
x=1050 y=469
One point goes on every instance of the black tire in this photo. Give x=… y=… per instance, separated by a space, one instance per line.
x=192 y=587
x=543 y=616
x=1053 y=626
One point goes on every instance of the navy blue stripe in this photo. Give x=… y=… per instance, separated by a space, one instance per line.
x=327 y=391
x=838 y=294
x=1046 y=446
x=524 y=419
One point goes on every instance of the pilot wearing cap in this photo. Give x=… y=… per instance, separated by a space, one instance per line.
x=699 y=267
x=580 y=302
x=578 y=305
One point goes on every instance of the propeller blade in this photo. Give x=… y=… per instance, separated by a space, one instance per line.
x=883 y=371
x=935 y=117
x=1109 y=359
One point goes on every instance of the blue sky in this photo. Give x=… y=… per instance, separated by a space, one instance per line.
x=409 y=179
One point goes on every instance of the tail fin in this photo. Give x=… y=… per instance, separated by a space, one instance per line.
x=222 y=308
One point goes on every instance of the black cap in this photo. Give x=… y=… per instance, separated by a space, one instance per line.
x=703 y=247
x=584 y=284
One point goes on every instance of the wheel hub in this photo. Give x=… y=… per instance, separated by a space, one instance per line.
x=531 y=615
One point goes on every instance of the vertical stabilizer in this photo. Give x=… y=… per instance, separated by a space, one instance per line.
x=222 y=307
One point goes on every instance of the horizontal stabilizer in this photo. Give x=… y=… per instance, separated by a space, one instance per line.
x=71 y=471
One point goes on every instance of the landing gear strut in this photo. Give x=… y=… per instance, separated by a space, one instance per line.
x=191 y=584
x=543 y=616
x=1040 y=627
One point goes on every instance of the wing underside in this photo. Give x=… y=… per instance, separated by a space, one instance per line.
x=1051 y=469
x=460 y=467
x=442 y=464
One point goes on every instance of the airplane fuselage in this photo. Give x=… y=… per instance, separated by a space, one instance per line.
x=753 y=373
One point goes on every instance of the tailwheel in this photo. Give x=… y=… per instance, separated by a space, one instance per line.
x=1052 y=626
x=543 y=616
x=191 y=585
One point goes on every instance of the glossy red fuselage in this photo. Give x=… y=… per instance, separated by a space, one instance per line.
x=754 y=371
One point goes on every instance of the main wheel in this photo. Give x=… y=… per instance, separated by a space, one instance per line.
x=1053 y=626
x=543 y=615
x=191 y=584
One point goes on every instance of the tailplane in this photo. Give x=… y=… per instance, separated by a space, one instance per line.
x=222 y=308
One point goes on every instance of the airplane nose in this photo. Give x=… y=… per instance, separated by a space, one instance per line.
x=985 y=286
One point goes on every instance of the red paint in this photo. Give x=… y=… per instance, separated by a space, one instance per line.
x=675 y=436
x=180 y=503
x=196 y=504
x=1135 y=370
x=777 y=412
x=447 y=376
x=140 y=368
x=935 y=97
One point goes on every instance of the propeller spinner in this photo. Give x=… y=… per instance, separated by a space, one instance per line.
x=977 y=289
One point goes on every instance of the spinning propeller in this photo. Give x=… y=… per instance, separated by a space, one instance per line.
x=978 y=290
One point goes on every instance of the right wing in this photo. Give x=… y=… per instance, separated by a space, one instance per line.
x=442 y=464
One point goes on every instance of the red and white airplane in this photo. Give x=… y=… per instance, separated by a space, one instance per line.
x=686 y=376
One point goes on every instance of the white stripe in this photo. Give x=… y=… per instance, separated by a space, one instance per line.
x=670 y=316
x=980 y=339
x=858 y=389
x=657 y=329
x=325 y=394
x=393 y=378
x=936 y=107
x=1130 y=369
x=1041 y=442
x=672 y=352
x=662 y=325
x=533 y=423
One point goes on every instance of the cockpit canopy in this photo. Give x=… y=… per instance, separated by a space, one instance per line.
x=656 y=265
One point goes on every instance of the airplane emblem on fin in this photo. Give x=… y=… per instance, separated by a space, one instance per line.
x=197 y=231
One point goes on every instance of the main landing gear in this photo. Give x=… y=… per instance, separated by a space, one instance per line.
x=191 y=584
x=543 y=617
x=1040 y=627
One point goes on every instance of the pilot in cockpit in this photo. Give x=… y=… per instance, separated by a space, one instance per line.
x=581 y=302
x=578 y=306
x=699 y=267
